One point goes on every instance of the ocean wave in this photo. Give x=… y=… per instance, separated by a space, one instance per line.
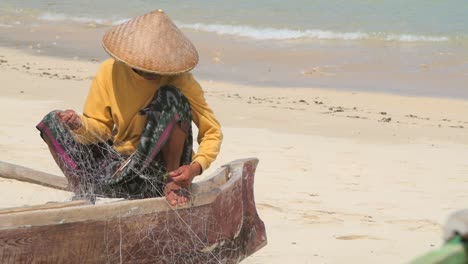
x=58 y=17
x=259 y=33
x=288 y=34
x=415 y=38
x=273 y=33
x=120 y=21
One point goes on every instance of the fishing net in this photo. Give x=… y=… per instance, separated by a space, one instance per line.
x=190 y=235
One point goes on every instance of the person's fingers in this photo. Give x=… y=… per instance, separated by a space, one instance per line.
x=182 y=200
x=67 y=115
x=171 y=198
x=64 y=116
x=68 y=120
x=184 y=178
x=175 y=195
x=71 y=119
x=61 y=115
x=176 y=172
x=182 y=182
x=182 y=197
x=70 y=112
x=170 y=194
x=176 y=199
x=180 y=177
x=74 y=122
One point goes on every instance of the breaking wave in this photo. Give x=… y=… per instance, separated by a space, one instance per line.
x=262 y=33
x=285 y=34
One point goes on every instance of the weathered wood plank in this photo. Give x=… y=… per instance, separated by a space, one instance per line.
x=43 y=207
x=220 y=226
x=151 y=238
x=204 y=192
x=20 y=173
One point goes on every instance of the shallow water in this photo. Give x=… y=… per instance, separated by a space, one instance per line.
x=418 y=47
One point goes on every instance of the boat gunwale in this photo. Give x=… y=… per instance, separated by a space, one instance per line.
x=204 y=192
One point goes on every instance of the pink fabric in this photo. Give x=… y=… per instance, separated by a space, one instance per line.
x=162 y=140
x=60 y=151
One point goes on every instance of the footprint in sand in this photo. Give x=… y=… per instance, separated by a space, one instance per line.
x=315 y=71
x=357 y=237
x=415 y=224
x=309 y=217
x=356 y=117
x=385 y=119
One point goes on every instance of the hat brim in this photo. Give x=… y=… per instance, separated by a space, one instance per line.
x=151 y=43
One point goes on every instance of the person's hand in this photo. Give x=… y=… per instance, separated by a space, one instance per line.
x=176 y=195
x=175 y=191
x=70 y=118
x=184 y=175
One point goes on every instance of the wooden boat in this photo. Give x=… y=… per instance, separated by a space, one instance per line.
x=221 y=225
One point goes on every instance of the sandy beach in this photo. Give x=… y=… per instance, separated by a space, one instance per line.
x=343 y=176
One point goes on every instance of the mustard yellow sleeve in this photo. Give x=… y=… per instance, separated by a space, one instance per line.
x=209 y=130
x=96 y=119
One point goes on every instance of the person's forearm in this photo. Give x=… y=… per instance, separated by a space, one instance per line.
x=195 y=169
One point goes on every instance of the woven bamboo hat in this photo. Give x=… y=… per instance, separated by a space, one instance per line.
x=151 y=43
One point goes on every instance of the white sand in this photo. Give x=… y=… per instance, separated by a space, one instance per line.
x=334 y=184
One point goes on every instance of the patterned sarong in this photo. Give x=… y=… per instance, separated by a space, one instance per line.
x=99 y=170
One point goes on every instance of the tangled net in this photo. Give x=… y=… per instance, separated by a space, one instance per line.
x=190 y=235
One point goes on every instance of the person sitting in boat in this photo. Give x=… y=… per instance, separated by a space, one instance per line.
x=134 y=138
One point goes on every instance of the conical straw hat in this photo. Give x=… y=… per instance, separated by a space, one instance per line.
x=151 y=43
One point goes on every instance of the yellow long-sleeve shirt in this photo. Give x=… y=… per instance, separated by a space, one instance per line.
x=117 y=93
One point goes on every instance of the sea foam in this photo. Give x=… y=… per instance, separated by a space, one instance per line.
x=289 y=34
x=272 y=33
x=262 y=33
x=415 y=38
x=58 y=17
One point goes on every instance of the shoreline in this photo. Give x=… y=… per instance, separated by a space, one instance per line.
x=339 y=171
x=408 y=69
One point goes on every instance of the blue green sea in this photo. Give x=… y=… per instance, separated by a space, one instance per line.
x=410 y=47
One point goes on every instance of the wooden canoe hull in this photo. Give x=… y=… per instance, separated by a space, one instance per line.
x=221 y=226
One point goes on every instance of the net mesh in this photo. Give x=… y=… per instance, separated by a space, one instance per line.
x=190 y=235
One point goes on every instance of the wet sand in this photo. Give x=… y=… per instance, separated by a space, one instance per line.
x=416 y=69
